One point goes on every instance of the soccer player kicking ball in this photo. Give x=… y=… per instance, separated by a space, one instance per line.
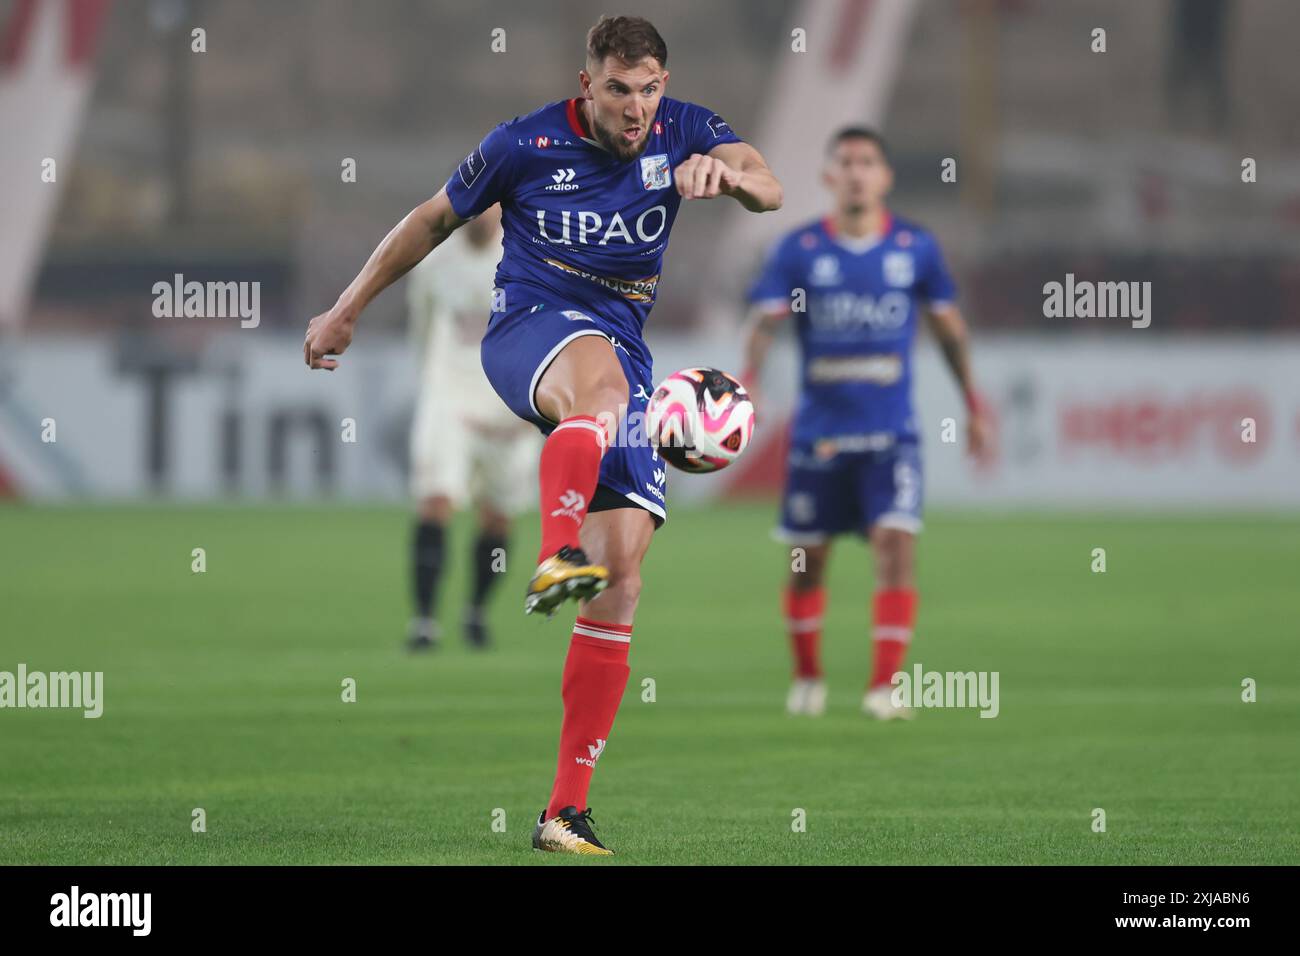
x=589 y=188
x=464 y=443
x=856 y=281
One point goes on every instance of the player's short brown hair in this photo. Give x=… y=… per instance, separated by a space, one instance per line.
x=630 y=39
x=846 y=133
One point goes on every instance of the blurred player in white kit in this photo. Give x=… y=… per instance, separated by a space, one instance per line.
x=466 y=445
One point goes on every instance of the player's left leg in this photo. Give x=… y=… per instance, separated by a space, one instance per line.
x=428 y=557
x=489 y=549
x=595 y=675
x=819 y=502
x=440 y=453
x=504 y=463
x=895 y=522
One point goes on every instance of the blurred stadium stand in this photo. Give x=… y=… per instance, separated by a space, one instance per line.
x=229 y=161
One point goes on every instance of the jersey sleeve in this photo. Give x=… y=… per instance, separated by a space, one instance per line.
x=777 y=279
x=484 y=177
x=705 y=129
x=935 y=286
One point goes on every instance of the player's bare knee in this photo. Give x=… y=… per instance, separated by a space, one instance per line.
x=493 y=522
x=619 y=600
x=436 y=508
x=894 y=558
x=604 y=399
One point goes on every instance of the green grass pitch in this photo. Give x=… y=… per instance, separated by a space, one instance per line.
x=1119 y=691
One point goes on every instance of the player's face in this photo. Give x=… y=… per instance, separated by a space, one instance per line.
x=858 y=175
x=624 y=99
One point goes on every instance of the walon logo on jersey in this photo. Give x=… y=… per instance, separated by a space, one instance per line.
x=563 y=181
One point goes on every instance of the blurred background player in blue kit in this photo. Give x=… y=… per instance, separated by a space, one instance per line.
x=856 y=281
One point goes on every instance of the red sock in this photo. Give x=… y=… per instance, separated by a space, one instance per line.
x=803 y=619
x=595 y=676
x=893 y=614
x=567 y=474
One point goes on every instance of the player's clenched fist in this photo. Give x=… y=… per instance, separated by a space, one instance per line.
x=703 y=177
x=329 y=333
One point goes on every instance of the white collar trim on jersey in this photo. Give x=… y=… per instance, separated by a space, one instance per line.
x=859 y=245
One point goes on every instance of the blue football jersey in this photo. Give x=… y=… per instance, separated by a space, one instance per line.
x=860 y=301
x=580 y=225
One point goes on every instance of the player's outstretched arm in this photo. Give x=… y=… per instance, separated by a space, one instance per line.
x=949 y=328
x=732 y=169
x=418 y=234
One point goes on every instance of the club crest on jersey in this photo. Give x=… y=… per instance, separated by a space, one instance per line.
x=898 y=268
x=654 y=171
x=825 y=270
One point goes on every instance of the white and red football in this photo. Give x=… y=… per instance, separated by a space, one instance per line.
x=701 y=419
